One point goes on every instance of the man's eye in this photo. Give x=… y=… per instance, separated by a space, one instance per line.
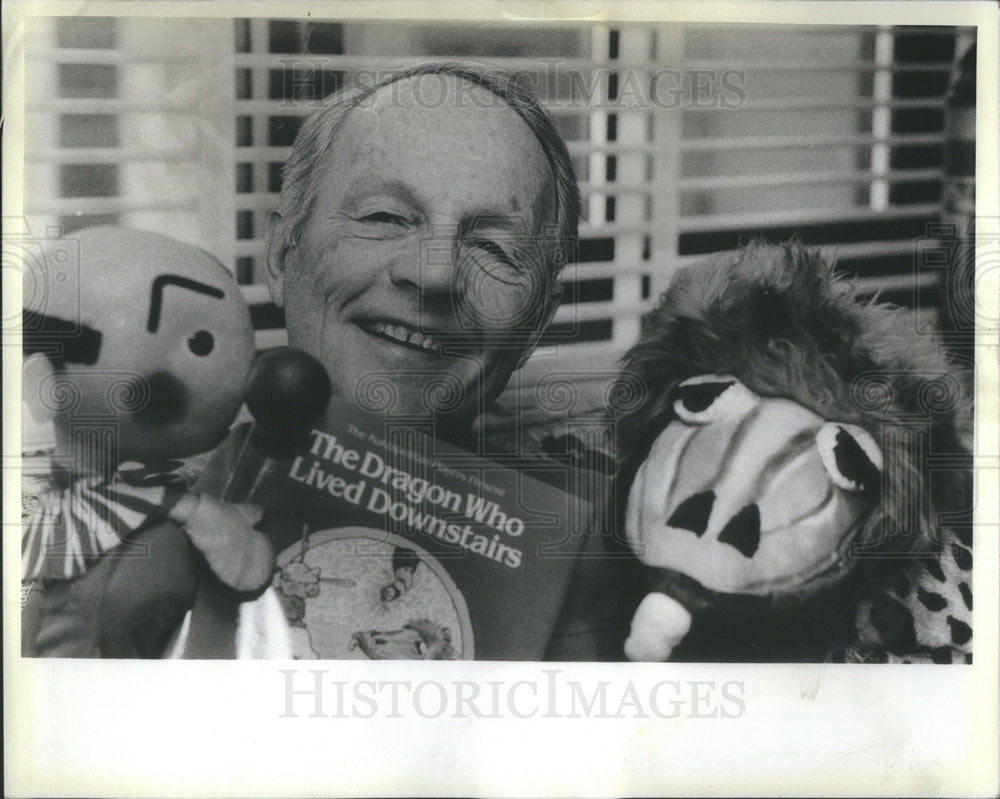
x=497 y=263
x=492 y=249
x=384 y=218
x=380 y=225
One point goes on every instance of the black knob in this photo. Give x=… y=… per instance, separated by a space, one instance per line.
x=288 y=391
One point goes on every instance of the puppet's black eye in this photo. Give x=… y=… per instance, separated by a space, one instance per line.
x=201 y=343
x=698 y=396
x=705 y=398
x=851 y=457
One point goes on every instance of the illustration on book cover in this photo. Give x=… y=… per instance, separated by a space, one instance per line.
x=358 y=592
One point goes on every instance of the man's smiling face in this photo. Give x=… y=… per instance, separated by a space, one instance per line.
x=421 y=256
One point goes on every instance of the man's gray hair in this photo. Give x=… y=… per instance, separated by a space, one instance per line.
x=300 y=177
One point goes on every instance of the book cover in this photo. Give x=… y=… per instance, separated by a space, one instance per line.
x=392 y=544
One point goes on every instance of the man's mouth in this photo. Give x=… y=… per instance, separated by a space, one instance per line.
x=406 y=336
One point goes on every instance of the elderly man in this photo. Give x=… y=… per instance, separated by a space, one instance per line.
x=421 y=227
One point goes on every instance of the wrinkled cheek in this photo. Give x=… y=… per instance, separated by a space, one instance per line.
x=314 y=287
x=303 y=309
x=486 y=303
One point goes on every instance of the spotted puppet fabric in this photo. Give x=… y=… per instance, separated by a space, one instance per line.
x=924 y=615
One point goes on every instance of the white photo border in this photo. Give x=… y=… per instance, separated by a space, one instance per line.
x=115 y=728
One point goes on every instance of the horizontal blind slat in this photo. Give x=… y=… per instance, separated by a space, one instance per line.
x=802 y=217
x=106 y=205
x=104 y=155
x=596 y=270
x=88 y=56
x=605 y=229
x=818 y=31
x=815 y=65
x=792 y=178
x=860 y=250
x=368 y=63
x=109 y=105
x=818 y=104
x=269 y=339
x=872 y=285
x=587 y=148
x=255 y=294
x=807 y=141
x=594 y=311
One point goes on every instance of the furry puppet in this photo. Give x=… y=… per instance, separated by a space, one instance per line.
x=776 y=472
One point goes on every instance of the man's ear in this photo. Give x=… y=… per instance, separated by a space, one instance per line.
x=277 y=250
x=555 y=299
x=35 y=370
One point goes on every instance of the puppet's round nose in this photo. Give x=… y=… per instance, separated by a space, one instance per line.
x=167 y=400
x=742 y=531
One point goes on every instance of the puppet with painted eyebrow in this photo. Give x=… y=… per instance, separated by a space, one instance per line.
x=144 y=363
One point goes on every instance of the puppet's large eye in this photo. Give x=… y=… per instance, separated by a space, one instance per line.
x=201 y=343
x=851 y=457
x=706 y=398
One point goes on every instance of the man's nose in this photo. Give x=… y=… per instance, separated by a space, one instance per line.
x=429 y=264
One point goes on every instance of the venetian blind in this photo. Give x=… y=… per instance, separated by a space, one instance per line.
x=121 y=129
x=687 y=140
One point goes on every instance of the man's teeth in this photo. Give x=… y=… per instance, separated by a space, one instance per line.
x=407 y=336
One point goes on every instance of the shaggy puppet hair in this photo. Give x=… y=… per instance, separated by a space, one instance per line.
x=778 y=319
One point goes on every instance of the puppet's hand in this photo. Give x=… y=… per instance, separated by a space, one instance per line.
x=241 y=557
x=659 y=624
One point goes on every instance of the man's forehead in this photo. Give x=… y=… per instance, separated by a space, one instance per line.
x=445 y=127
x=442 y=105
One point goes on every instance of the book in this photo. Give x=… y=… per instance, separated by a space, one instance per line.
x=393 y=544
